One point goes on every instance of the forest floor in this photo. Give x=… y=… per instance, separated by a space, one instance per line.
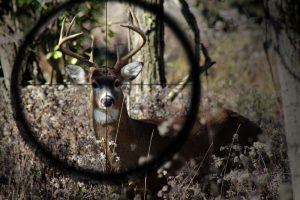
x=59 y=116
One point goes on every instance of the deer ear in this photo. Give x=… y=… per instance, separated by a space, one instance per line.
x=76 y=73
x=131 y=70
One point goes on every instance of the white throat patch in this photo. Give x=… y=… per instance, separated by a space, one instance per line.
x=106 y=116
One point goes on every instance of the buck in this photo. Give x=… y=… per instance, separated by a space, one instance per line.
x=111 y=122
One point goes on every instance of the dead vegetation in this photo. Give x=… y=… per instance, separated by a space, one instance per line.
x=60 y=119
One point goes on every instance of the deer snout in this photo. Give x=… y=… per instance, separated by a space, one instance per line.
x=107 y=101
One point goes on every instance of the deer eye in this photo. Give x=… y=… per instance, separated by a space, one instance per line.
x=94 y=85
x=117 y=83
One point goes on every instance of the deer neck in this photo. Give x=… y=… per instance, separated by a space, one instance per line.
x=109 y=122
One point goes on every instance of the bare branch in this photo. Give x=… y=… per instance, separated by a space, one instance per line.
x=182 y=84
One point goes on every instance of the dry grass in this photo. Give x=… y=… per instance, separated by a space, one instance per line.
x=260 y=171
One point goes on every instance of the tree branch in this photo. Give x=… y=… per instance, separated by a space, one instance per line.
x=192 y=22
x=183 y=83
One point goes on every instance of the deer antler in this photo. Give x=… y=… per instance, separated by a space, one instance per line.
x=142 y=39
x=65 y=37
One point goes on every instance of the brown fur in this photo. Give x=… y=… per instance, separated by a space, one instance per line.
x=212 y=129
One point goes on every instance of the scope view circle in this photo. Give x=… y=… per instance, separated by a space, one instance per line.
x=43 y=151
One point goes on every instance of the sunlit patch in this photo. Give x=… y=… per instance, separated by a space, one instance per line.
x=165 y=126
x=168 y=164
x=133 y=147
x=144 y=159
x=162 y=172
x=112 y=144
x=175 y=157
x=202 y=120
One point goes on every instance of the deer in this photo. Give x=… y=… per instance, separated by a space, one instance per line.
x=111 y=121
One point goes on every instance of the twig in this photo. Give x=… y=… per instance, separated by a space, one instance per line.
x=201 y=164
x=192 y=22
x=160 y=44
x=224 y=169
x=119 y=121
x=182 y=84
x=148 y=154
x=263 y=161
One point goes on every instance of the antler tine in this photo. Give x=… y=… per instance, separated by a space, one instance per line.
x=70 y=26
x=62 y=30
x=63 y=38
x=142 y=40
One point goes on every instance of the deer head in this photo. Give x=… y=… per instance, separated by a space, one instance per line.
x=106 y=95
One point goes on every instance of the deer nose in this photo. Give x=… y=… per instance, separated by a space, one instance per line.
x=107 y=101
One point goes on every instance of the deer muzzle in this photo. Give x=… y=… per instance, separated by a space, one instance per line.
x=107 y=101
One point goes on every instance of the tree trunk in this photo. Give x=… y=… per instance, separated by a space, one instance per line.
x=152 y=53
x=9 y=40
x=284 y=19
x=152 y=77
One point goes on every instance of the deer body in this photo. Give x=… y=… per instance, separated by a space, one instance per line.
x=211 y=130
x=134 y=143
x=111 y=122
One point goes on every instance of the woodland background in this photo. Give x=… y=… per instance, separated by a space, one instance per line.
x=254 y=44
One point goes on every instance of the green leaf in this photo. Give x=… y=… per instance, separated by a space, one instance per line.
x=57 y=54
x=105 y=39
x=88 y=5
x=56 y=48
x=73 y=61
x=148 y=18
x=49 y=55
x=111 y=33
